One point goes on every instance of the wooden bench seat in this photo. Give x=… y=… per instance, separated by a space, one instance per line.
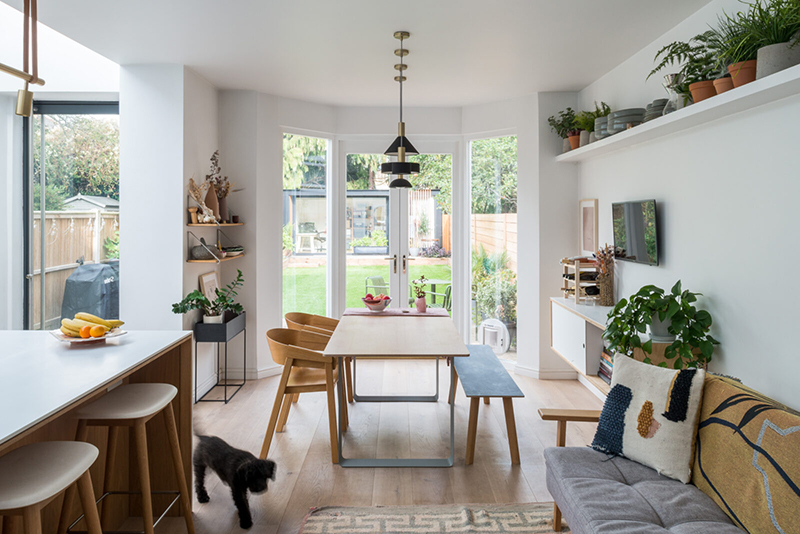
x=483 y=375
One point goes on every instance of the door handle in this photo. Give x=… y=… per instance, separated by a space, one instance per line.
x=406 y=259
x=394 y=262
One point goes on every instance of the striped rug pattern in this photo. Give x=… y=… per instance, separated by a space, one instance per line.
x=529 y=518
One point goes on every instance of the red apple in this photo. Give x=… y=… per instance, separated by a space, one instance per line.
x=386 y=297
x=369 y=296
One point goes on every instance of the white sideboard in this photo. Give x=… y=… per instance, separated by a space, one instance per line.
x=576 y=334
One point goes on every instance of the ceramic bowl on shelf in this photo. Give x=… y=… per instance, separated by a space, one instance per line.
x=625 y=113
x=376 y=305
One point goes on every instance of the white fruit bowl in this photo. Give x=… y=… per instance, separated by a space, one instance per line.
x=376 y=306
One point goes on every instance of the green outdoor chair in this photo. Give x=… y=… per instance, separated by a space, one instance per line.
x=446 y=302
x=376 y=284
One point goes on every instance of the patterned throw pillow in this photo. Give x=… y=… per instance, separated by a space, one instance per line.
x=650 y=416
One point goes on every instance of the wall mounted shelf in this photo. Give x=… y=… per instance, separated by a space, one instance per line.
x=758 y=93
x=227 y=258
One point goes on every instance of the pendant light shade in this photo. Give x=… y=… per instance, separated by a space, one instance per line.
x=401 y=145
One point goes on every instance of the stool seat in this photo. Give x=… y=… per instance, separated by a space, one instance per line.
x=130 y=401
x=34 y=473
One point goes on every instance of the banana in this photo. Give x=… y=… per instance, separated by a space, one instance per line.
x=115 y=323
x=93 y=319
x=68 y=332
x=77 y=324
x=67 y=323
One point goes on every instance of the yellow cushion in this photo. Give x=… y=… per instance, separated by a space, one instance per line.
x=748 y=457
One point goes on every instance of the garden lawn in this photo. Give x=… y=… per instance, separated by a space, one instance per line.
x=304 y=287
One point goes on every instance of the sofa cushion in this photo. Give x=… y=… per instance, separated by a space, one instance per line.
x=598 y=494
x=650 y=416
x=748 y=457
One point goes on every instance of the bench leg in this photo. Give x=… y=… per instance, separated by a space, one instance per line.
x=472 y=430
x=556 y=518
x=511 y=428
x=486 y=400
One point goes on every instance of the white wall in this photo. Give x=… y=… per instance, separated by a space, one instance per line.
x=152 y=215
x=11 y=223
x=200 y=140
x=726 y=194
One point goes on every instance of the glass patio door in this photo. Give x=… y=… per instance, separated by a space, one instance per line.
x=72 y=210
x=395 y=236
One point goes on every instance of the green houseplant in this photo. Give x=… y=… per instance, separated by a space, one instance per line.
x=764 y=38
x=692 y=347
x=585 y=120
x=564 y=126
x=213 y=309
x=698 y=65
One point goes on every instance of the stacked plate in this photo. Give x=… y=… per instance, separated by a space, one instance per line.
x=601 y=127
x=618 y=121
x=655 y=109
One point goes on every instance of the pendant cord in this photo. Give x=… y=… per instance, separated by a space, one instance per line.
x=402 y=72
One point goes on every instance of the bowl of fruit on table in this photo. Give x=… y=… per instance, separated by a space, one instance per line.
x=377 y=303
x=88 y=328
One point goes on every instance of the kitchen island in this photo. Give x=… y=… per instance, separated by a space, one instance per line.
x=44 y=381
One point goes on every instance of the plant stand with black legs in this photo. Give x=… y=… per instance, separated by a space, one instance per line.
x=221 y=333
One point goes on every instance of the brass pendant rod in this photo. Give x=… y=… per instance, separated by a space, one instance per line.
x=20 y=74
x=29 y=35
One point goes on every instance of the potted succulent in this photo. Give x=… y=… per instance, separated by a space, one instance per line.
x=671 y=315
x=699 y=66
x=564 y=127
x=419 y=292
x=214 y=311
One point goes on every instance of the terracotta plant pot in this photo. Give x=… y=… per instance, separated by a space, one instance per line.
x=723 y=84
x=702 y=90
x=743 y=72
x=775 y=58
x=574 y=141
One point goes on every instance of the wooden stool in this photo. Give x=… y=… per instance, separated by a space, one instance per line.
x=133 y=405
x=33 y=475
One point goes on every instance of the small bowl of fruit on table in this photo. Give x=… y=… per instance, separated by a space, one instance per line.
x=377 y=303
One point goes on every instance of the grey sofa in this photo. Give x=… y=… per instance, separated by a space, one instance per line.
x=619 y=496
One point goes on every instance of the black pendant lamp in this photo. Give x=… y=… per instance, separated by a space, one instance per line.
x=401 y=146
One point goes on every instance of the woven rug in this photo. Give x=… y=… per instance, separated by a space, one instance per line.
x=530 y=518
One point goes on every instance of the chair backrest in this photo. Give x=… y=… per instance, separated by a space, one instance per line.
x=448 y=303
x=285 y=343
x=318 y=324
x=376 y=282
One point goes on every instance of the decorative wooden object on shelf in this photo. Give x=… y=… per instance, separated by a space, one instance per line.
x=578 y=266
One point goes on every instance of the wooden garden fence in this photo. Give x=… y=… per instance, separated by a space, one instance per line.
x=496 y=232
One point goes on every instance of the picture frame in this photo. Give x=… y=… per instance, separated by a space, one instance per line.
x=587 y=225
x=209 y=283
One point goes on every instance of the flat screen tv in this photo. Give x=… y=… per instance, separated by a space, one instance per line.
x=636 y=231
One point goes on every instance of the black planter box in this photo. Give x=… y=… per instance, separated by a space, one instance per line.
x=220 y=333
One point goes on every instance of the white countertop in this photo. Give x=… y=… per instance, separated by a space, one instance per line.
x=40 y=375
x=597 y=315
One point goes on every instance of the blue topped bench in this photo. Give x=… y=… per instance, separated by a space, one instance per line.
x=483 y=375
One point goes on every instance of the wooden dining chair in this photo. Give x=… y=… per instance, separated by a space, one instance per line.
x=320 y=324
x=305 y=370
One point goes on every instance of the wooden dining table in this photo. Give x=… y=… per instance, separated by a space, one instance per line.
x=405 y=336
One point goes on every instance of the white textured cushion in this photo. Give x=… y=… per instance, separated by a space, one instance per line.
x=650 y=416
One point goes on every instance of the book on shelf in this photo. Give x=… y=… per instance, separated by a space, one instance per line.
x=607 y=358
x=604 y=378
x=606 y=369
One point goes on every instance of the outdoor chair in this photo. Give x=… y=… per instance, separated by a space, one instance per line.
x=305 y=370
x=376 y=284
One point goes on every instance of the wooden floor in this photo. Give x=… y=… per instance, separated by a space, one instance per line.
x=306 y=478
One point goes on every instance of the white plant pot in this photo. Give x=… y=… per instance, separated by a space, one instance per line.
x=413 y=251
x=584 y=138
x=565 y=146
x=592 y=137
x=213 y=319
x=659 y=330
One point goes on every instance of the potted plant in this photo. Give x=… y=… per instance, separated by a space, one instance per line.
x=667 y=314
x=773 y=28
x=699 y=66
x=564 y=127
x=585 y=122
x=214 y=311
x=738 y=47
x=419 y=292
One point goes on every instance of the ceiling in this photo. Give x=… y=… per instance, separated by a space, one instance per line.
x=341 y=51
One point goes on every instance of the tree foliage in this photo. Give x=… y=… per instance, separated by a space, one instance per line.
x=494 y=175
x=304 y=161
x=81 y=156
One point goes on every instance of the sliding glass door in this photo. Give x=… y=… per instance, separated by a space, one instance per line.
x=72 y=205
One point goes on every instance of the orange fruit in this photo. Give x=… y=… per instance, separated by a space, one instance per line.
x=86 y=332
x=97 y=331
